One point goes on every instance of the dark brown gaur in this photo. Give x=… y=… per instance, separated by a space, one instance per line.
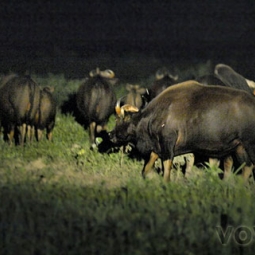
x=210 y=79
x=189 y=117
x=96 y=100
x=163 y=79
x=135 y=95
x=225 y=75
x=19 y=102
x=231 y=78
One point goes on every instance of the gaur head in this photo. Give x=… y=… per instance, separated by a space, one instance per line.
x=124 y=130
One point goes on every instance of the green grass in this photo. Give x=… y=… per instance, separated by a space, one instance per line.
x=62 y=198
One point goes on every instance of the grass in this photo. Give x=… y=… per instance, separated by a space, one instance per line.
x=62 y=198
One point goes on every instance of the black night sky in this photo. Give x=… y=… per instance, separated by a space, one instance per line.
x=189 y=29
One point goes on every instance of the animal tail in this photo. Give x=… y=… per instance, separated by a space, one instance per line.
x=34 y=101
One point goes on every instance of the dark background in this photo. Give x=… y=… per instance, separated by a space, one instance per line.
x=48 y=32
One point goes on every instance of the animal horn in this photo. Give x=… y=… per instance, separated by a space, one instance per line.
x=118 y=109
x=125 y=108
x=107 y=74
x=250 y=83
x=129 y=108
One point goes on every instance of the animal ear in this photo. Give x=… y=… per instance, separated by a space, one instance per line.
x=49 y=89
x=129 y=87
x=174 y=77
x=94 y=73
x=142 y=91
x=159 y=75
x=113 y=81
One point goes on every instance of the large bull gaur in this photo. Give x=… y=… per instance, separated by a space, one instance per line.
x=189 y=117
x=225 y=75
x=19 y=102
x=96 y=100
x=46 y=114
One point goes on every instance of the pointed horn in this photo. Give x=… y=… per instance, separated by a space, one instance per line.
x=107 y=74
x=119 y=111
x=129 y=108
x=250 y=83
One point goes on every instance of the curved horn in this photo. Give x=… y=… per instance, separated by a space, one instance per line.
x=127 y=107
x=118 y=109
x=250 y=83
x=107 y=74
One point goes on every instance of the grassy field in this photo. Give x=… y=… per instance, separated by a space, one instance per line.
x=62 y=198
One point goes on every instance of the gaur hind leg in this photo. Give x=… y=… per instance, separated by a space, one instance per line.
x=149 y=163
x=167 y=169
x=10 y=134
x=247 y=157
x=49 y=135
x=22 y=133
x=214 y=162
x=39 y=134
x=49 y=130
x=30 y=133
x=190 y=161
x=92 y=135
x=228 y=165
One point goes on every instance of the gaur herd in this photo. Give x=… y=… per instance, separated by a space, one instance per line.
x=25 y=109
x=211 y=116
